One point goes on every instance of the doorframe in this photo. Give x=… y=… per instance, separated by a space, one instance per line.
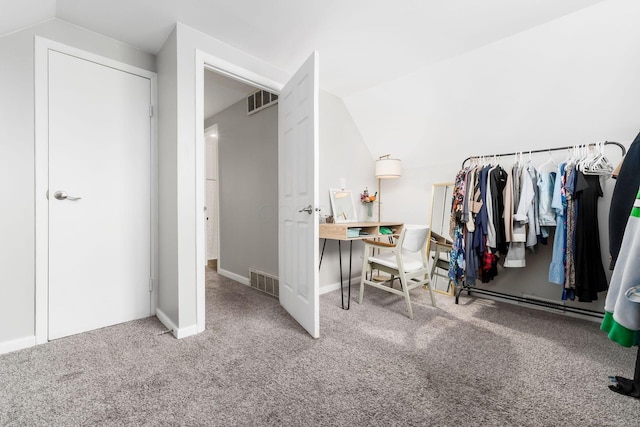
x=41 y=175
x=204 y=60
x=217 y=189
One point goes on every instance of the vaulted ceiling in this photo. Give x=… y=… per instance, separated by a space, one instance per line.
x=389 y=61
x=362 y=43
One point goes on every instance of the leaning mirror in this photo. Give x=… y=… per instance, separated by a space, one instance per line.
x=343 y=206
x=440 y=242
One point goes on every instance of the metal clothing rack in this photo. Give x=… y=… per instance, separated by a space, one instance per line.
x=546 y=150
x=548 y=304
x=526 y=300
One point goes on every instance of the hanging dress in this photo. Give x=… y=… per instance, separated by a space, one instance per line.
x=589 y=272
x=558 y=204
x=457 y=229
x=516 y=253
x=570 y=213
x=498 y=182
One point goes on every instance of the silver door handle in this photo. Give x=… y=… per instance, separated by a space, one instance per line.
x=62 y=195
x=309 y=209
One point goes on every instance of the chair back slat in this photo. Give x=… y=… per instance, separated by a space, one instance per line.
x=414 y=237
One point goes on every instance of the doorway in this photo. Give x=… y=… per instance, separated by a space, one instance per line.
x=297 y=170
x=241 y=178
x=211 y=187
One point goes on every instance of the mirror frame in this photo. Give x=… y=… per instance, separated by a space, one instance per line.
x=336 y=217
x=447 y=201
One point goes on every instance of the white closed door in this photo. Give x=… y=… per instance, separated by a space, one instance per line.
x=298 y=196
x=212 y=219
x=99 y=195
x=211 y=188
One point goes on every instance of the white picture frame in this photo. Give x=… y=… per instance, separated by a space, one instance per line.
x=342 y=205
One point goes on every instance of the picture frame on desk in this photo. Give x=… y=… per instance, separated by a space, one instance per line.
x=343 y=206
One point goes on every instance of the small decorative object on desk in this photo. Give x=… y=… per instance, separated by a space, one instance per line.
x=368 y=201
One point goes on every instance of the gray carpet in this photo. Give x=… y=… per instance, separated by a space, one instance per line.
x=481 y=363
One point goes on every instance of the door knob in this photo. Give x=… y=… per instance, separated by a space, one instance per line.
x=62 y=195
x=309 y=209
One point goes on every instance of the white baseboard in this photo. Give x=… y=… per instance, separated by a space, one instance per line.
x=355 y=283
x=179 y=333
x=234 y=276
x=185 y=332
x=164 y=319
x=15 y=345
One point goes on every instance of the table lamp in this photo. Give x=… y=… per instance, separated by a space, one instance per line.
x=386 y=168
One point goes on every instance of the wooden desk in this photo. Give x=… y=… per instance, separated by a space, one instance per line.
x=372 y=230
x=340 y=232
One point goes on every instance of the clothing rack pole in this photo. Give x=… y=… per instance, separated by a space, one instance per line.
x=548 y=304
x=526 y=300
x=546 y=150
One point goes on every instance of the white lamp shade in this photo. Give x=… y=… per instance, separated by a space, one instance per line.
x=388 y=168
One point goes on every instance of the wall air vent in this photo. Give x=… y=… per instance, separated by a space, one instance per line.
x=259 y=100
x=264 y=282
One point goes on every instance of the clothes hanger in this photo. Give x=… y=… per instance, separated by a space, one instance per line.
x=575 y=155
x=598 y=164
x=548 y=166
x=589 y=157
x=582 y=159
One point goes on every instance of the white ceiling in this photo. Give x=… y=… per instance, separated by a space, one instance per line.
x=362 y=43
x=221 y=92
x=19 y=14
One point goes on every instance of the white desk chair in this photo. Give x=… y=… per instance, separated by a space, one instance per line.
x=406 y=260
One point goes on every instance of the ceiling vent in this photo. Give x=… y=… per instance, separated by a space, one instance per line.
x=259 y=100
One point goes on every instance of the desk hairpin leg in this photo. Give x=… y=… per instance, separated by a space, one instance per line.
x=349 y=277
x=322 y=255
x=341 y=278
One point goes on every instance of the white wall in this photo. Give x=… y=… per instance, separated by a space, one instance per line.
x=17 y=281
x=343 y=155
x=167 y=184
x=178 y=254
x=571 y=81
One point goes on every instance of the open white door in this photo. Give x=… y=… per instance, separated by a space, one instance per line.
x=298 y=196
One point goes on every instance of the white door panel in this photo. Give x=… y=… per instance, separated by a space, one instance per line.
x=297 y=183
x=211 y=153
x=211 y=188
x=212 y=219
x=99 y=150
